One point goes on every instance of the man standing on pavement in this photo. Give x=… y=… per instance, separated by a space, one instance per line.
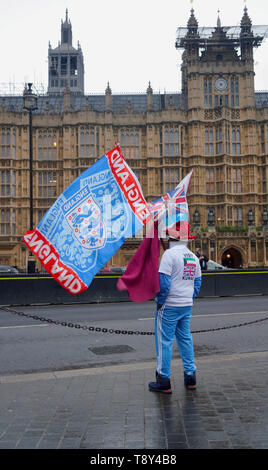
x=180 y=282
x=203 y=259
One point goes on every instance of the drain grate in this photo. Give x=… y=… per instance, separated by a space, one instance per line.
x=117 y=349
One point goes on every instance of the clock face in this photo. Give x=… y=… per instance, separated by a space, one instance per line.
x=221 y=84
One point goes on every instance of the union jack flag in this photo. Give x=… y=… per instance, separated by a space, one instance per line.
x=172 y=207
x=189 y=270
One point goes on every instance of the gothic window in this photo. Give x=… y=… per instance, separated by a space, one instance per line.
x=13 y=184
x=238 y=216
x=171 y=141
x=182 y=141
x=234 y=180
x=262 y=140
x=130 y=143
x=73 y=65
x=5 y=221
x=264 y=187
x=88 y=142
x=250 y=182
x=219 y=142
x=47 y=145
x=208 y=92
x=234 y=92
x=8 y=183
x=47 y=184
x=234 y=215
x=171 y=179
x=7 y=143
x=219 y=180
x=236 y=146
x=13 y=221
x=54 y=65
x=210 y=181
x=228 y=180
x=237 y=180
x=227 y=138
x=8 y=222
x=5 y=183
x=229 y=215
x=209 y=141
x=220 y=215
x=63 y=65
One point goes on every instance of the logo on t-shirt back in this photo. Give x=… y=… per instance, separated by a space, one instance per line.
x=189 y=270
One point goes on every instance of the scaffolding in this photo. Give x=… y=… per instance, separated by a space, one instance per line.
x=16 y=89
x=232 y=35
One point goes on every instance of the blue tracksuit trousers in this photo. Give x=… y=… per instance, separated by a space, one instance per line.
x=173 y=322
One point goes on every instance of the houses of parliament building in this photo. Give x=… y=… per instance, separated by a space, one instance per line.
x=216 y=125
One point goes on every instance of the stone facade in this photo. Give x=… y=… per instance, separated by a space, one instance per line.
x=217 y=125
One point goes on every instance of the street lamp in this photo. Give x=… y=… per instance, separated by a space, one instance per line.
x=30 y=104
x=251 y=217
x=211 y=217
x=196 y=217
x=265 y=217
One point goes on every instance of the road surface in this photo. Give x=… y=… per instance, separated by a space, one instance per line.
x=29 y=345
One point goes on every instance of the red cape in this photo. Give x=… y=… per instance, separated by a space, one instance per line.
x=141 y=279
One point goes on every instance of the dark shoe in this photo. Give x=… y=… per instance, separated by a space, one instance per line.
x=190 y=381
x=161 y=385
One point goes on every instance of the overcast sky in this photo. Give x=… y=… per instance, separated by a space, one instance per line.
x=127 y=43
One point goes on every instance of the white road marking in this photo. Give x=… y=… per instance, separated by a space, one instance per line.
x=21 y=326
x=216 y=315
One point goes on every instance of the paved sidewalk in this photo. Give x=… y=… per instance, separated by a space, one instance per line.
x=111 y=407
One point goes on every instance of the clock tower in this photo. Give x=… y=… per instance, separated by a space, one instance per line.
x=213 y=72
x=223 y=127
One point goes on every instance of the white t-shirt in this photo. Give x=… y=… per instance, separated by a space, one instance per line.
x=183 y=267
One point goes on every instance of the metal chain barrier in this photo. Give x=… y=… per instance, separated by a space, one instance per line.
x=117 y=332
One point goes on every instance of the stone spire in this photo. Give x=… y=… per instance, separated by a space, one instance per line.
x=66 y=30
x=149 y=89
x=150 y=103
x=192 y=37
x=192 y=25
x=108 y=90
x=218 y=20
x=219 y=34
x=108 y=98
x=67 y=21
x=246 y=37
x=245 y=23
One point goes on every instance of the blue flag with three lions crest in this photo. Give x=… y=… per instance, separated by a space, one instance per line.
x=89 y=222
